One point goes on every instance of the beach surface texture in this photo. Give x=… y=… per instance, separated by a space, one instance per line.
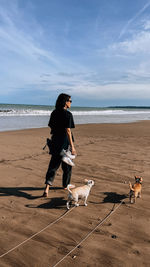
x=38 y=232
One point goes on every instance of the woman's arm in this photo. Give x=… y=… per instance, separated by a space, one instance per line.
x=68 y=130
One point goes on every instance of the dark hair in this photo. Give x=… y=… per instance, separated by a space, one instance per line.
x=61 y=101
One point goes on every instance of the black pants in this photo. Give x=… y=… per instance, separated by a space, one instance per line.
x=54 y=164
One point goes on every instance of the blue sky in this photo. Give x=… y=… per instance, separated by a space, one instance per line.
x=97 y=51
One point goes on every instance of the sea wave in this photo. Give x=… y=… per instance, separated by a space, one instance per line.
x=109 y=112
x=104 y=112
x=24 y=112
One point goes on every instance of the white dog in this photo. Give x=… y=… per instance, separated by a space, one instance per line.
x=79 y=192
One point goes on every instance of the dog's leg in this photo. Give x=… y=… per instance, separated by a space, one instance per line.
x=85 y=201
x=135 y=198
x=76 y=202
x=135 y=195
x=67 y=205
x=68 y=202
x=130 y=197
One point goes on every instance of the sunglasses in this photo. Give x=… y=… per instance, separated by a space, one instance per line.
x=69 y=101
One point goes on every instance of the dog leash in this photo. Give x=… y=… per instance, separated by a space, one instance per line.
x=32 y=236
x=58 y=219
x=101 y=222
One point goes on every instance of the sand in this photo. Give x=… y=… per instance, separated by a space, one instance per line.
x=110 y=154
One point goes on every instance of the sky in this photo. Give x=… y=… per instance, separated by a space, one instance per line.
x=97 y=51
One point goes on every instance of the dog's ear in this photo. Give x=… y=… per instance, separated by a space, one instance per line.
x=85 y=180
x=141 y=179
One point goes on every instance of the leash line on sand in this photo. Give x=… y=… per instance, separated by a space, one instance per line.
x=26 y=240
x=58 y=219
x=101 y=222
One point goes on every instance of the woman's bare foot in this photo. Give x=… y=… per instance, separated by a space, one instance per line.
x=45 y=194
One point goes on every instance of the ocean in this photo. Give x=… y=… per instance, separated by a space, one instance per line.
x=16 y=117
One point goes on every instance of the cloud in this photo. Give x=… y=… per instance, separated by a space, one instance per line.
x=139 y=43
x=20 y=42
x=146 y=24
x=114 y=91
x=69 y=58
x=23 y=57
x=25 y=60
x=123 y=31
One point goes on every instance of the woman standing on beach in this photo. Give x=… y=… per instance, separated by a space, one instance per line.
x=61 y=121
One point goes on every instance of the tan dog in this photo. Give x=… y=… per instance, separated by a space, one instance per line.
x=135 y=190
x=79 y=192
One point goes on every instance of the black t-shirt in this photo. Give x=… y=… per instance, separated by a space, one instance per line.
x=59 y=121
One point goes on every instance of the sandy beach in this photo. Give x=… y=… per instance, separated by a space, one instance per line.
x=110 y=154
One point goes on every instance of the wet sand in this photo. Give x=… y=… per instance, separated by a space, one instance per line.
x=110 y=154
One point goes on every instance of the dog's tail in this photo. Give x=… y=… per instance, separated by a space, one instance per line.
x=70 y=186
x=130 y=185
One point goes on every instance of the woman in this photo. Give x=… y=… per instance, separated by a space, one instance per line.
x=61 y=121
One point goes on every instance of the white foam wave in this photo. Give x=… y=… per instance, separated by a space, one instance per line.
x=108 y=112
x=25 y=112
x=38 y=112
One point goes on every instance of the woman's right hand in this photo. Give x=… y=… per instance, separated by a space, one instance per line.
x=73 y=151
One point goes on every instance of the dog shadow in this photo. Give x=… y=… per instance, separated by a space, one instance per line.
x=54 y=203
x=112 y=197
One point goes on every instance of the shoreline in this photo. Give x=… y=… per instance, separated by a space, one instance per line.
x=111 y=155
x=90 y=123
x=31 y=117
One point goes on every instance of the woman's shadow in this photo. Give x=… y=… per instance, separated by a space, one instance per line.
x=19 y=191
x=22 y=191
